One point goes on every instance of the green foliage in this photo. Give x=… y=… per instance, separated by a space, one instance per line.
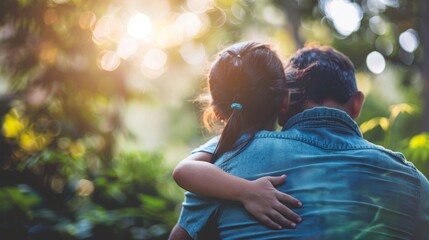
x=123 y=202
x=16 y=204
x=415 y=148
x=417 y=151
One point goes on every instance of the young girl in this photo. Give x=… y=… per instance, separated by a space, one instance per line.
x=247 y=86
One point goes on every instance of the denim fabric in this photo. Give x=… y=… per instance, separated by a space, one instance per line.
x=349 y=187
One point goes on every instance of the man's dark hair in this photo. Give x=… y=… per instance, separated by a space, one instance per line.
x=317 y=73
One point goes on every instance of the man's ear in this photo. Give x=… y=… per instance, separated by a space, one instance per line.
x=355 y=104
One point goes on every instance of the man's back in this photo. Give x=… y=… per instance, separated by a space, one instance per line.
x=350 y=188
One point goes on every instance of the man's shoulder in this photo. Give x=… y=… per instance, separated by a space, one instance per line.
x=397 y=156
x=268 y=138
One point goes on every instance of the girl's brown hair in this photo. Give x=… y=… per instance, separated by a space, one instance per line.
x=247 y=86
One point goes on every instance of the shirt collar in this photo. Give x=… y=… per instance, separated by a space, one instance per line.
x=323 y=116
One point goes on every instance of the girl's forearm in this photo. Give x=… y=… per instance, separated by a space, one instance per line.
x=206 y=179
x=259 y=197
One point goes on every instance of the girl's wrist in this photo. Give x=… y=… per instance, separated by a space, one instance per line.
x=245 y=191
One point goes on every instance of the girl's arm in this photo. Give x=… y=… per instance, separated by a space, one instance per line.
x=259 y=197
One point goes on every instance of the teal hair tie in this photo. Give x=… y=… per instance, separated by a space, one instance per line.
x=237 y=106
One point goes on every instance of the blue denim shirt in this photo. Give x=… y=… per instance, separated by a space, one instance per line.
x=349 y=187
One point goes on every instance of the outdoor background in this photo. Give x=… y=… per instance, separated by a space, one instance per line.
x=97 y=98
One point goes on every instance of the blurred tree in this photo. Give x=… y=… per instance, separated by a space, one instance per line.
x=424 y=19
x=58 y=127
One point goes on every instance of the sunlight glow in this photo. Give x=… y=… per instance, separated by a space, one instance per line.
x=193 y=53
x=273 y=15
x=150 y=73
x=109 y=61
x=409 y=40
x=139 y=26
x=170 y=36
x=127 y=46
x=190 y=23
x=199 y=6
x=345 y=15
x=375 y=62
x=155 y=59
x=108 y=28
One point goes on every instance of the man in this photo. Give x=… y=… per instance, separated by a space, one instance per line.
x=350 y=188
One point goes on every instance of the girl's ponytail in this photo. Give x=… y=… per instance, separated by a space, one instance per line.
x=231 y=132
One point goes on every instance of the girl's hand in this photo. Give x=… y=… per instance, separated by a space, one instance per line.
x=268 y=205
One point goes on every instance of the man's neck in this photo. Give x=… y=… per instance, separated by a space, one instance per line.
x=326 y=103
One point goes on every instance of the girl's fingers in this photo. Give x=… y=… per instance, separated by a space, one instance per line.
x=288 y=200
x=276 y=181
x=270 y=223
x=287 y=213
x=281 y=219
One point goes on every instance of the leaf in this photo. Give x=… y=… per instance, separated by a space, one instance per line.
x=384 y=123
x=152 y=202
x=373 y=123
x=395 y=110
x=419 y=141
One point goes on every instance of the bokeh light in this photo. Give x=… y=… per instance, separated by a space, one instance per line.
x=377 y=25
x=164 y=38
x=375 y=62
x=155 y=59
x=378 y=6
x=345 y=15
x=48 y=52
x=36 y=96
x=189 y=23
x=127 y=46
x=199 y=6
x=108 y=28
x=193 y=53
x=273 y=15
x=109 y=61
x=139 y=26
x=84 y=187
x=409 y=40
